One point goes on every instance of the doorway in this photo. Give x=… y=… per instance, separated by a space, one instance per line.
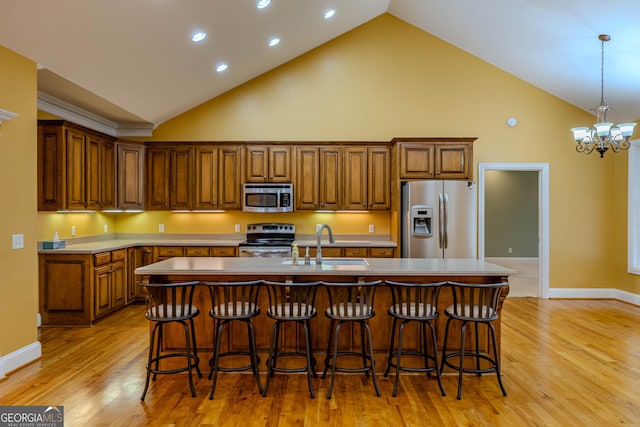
x=528 y=268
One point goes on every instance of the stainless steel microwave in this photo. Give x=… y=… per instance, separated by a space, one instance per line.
x=267 y=198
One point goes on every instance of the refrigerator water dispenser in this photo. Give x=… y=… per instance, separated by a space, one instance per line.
x=421 y=221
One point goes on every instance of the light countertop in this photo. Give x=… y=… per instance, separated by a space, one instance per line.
x=213 y=266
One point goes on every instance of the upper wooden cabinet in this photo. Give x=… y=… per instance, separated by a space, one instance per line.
x=218 y=183
x=343 y=177
x=130 y=175
x=435 y=158
x=268 y=163
x=76 y=168
x=169 y=178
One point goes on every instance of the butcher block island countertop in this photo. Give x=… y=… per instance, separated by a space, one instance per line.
x=398 y=269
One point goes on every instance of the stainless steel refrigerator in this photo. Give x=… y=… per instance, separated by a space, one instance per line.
x=439 y=219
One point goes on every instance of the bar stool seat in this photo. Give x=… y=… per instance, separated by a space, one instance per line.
x=476 y=304
x=291 y=302
x=350 y=303
x=233 y=301
x=171 y=303
x=414 y=302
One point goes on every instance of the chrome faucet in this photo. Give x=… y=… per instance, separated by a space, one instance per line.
x=319 y=245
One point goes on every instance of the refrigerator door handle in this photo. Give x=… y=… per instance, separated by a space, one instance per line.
x=445 y=220
x=441 y=222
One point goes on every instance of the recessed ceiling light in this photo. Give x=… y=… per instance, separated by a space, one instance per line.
x=274 y=41
x=263 y=3
x=329 y=13
x=221 y=67
x=199 y=36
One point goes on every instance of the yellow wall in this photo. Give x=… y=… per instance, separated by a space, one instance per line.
x=19 y=284
x=388 y=79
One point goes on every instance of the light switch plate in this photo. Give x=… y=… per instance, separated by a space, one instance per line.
x=17 y=241
x=161 y=228
x=372 y=228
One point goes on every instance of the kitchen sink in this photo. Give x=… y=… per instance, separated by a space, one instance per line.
x=331 y=261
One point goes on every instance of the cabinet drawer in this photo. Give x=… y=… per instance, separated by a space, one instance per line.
x=118 y=255
x=381 y=252
x=355 y=252
x=223 y=251
x=102 y=258
x=170 y=251
x=196 y=251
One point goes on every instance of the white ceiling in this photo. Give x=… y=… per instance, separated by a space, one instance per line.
x=132 y=61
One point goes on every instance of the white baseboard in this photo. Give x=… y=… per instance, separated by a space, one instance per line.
x=20 y=358
x=595 y=293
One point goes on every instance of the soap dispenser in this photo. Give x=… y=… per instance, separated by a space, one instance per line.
x=295 y=254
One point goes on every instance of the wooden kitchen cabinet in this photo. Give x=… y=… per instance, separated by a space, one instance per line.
x=76 y=167
x=367 y=178
x=110 y=290
x=136 y=257
x=270 y=163
x=130 y=175
x=79 y=289
x=169 y=180
x=217 y=178
x=306 y=185
x=435 y=158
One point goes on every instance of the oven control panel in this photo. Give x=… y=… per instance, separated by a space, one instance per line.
x=272 y=227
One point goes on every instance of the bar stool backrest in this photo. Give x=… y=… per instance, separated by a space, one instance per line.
x=291 y=299
x=475 y=301
x=169 y=301
x=351 y=300
x=234 y=300
x=414 y=300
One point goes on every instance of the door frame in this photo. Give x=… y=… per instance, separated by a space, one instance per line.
x=543 y=212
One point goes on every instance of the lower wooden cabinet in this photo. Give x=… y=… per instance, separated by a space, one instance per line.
x=78 y=289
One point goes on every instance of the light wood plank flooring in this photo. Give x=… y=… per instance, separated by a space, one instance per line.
x=565 y=363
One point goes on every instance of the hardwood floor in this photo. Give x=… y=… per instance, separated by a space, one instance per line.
x=565 y=362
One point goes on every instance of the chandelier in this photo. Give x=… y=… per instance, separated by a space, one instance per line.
x=603 y=135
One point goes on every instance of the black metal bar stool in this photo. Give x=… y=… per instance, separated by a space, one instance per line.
x=233 y=301
x=350 y=303
x=414 y=302
x=291 y=302
x=171 y=303
x=477 y=304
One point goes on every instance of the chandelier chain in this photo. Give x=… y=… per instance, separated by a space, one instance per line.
x=602 y=73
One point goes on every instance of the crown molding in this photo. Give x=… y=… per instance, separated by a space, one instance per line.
x=6 y=115
x=82 y=117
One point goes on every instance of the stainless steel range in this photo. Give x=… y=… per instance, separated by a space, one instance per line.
x=269 y=240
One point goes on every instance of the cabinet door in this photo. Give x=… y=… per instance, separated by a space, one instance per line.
x=206 y=181
x=280 y=164
x=181 y=178
x=157 y=191
x=229 y=177
x=257 y=164
x=51 y=150
x=453 y=161
x=102 y=290
x=331 y=178
x=355 y=178
x=107 y=179
x=93 y=173
x=137 y=257
x=118 y=284
x=76 y=157
x=306 y=184
x=379 y=178
x=416 y=161
x=130 y=181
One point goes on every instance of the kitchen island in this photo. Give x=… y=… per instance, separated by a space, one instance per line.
x=279 y=269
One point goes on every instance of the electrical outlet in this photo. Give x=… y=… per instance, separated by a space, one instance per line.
x=372 y=228
x=161 y=228
x=510 y=250
x=237 y=228
x=106 y=228
x=73 y=230
x=17 y=241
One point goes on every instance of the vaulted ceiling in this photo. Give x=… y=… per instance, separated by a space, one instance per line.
x=133 y=62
